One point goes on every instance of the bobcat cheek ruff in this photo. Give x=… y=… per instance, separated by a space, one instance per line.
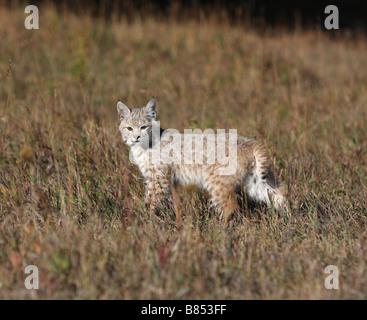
x=217 y=162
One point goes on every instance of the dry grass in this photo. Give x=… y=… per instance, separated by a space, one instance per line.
x=70 y=200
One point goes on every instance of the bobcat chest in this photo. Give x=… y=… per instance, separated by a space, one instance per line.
x=147 y=162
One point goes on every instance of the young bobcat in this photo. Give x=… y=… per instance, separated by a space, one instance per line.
x=153 y=152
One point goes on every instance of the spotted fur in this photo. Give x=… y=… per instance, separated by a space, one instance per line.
x=252 y=168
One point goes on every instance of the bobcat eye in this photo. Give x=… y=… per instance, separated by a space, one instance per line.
x=143 y=127
x=130 y=128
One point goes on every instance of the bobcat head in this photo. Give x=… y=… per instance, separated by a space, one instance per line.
x=136 y=124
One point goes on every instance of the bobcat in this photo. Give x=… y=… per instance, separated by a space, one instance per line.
x=250 y=166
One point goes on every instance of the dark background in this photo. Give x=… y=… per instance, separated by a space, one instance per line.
x=256 y=13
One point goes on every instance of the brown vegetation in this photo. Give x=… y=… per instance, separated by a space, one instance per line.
x=71 y=202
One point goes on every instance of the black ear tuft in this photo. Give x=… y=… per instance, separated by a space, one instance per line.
x=150 y=109
x=122 y=110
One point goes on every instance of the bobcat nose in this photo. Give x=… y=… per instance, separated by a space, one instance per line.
x=137 y=138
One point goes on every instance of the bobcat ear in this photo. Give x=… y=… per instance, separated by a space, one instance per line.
x=150 y=109
x=122 y=110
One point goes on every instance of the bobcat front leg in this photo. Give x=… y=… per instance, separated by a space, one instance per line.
x=155 y=191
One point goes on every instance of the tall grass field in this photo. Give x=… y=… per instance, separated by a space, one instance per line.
x=71 y=202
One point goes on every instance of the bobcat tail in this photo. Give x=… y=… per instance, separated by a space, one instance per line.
x=261 y=184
